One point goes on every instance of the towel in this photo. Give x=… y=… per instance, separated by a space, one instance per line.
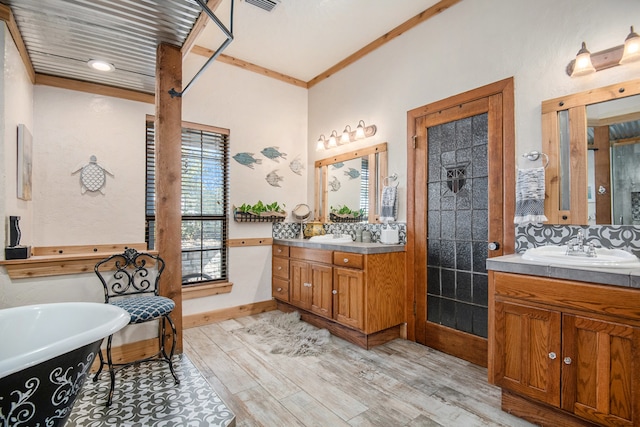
x=530 y=196
x=389 y=205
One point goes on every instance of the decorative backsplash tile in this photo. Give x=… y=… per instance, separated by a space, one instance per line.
x=635 y=206
x=291 y=230
x=625 y=237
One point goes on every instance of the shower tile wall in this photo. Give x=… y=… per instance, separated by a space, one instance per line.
x=458 y=225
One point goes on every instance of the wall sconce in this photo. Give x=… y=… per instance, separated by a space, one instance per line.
x=362 y=131
x=587 y=63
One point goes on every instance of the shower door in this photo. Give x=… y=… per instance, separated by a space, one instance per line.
x=458 y=221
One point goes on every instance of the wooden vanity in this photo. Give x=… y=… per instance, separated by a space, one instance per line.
x=355 y=291
x=565 y=352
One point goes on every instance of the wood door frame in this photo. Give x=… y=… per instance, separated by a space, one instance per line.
x=416 y=152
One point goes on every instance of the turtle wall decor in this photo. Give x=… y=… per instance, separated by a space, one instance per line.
x=93 y=177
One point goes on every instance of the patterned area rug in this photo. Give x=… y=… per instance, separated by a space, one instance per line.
x=146 y=396
x=285 y=333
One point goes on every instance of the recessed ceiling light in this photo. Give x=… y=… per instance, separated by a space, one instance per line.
x=99 y=65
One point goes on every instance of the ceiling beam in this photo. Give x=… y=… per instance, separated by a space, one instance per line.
x=198 y=28
x=98 y=89
x=7 y=16
x=199 y=50
x=437 y=8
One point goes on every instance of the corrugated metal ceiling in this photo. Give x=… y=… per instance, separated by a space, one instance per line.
x=63 y=35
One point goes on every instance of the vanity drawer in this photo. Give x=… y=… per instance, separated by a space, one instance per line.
x=280 y=289
x=280 y=267
x=280 y=250
x=348 y=259
x=317 y=255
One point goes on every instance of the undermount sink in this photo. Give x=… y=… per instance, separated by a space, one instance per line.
x=329 y=238
x=610 y=258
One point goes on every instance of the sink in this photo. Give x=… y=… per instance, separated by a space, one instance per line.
x=610 y=258
x=328 y=238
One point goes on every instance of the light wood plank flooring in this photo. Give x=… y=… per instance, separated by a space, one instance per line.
x=400 y=383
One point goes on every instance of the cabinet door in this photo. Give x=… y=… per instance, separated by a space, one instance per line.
x=349 y=302
x=527 y=357
x=599 y=374
x=299 y=284
x=321 y=287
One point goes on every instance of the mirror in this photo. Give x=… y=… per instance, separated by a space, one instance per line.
x=592 y=142
x=350 y=179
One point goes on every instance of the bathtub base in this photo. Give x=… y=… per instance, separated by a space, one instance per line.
x=44 y=394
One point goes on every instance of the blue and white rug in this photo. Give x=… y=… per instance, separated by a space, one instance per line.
x=147 y=396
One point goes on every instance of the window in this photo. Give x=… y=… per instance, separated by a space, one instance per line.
x=205 y=195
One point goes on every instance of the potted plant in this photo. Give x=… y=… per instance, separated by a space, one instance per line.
x=259 y=212
x=345 y=214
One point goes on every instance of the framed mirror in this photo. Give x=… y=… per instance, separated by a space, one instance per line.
x=351 y=181
x=592 y=141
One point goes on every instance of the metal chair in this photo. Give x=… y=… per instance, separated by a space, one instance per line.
x=130 y=281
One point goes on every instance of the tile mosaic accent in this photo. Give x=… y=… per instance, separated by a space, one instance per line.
x=146 y=396
x=635 y=206
x=625 y=237
x=291 y=230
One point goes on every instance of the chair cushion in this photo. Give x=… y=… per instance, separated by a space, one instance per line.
x=145 y=308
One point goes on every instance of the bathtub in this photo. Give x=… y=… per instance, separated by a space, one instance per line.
x=45 y=354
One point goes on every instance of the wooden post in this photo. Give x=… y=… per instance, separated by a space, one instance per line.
x=168 y=128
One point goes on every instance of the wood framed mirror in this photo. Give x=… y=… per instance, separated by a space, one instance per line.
x=592 y=139
x=352 y=179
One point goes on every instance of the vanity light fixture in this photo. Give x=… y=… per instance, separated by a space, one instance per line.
x=100 y=65
x=583 y=65
x=631 y=48
x=333 y=141
x=322 y=143
x=348 y=135
x=587 y=63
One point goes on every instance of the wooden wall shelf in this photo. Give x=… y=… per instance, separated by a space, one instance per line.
x=57 y=261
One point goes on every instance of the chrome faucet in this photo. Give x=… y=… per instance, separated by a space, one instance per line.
x=577 y=247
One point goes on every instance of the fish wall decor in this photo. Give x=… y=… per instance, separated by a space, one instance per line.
x=334 y=184
x=338 y=165
x=273 y=153
x=274 y=179
x=296 y=166
x=352 y=173
x=246 y=159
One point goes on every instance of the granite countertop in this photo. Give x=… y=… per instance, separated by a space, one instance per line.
x=354 y=247
x=628 y=277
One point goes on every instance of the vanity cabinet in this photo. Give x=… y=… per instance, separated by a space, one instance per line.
x=567 y=345
x=358 y=297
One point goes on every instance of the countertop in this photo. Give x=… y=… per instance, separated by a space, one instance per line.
x=627 y=277
x=353 y=247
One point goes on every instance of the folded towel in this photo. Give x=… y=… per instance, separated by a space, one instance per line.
x=389 y=205
x=530 y=196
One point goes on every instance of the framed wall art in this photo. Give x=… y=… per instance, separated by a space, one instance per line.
x=25 y=162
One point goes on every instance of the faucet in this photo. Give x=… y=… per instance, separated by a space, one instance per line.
x=577 y=247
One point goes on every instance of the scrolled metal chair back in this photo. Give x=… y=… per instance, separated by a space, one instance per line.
x=129 y=273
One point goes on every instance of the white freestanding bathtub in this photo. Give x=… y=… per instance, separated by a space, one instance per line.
x=46 y=351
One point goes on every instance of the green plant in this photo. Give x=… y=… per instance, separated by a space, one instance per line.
x=260 y=207
x=344 y=210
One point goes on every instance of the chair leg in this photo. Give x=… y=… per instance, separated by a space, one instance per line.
x=112 y=373
x=173 y=347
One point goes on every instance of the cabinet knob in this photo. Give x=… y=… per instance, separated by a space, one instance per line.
x=552 y=355
x=308 y=285
x=346 y=260
x=335 y=292
x=567 y=360
x=279 y=289
x=279 y=251
x=279 y=267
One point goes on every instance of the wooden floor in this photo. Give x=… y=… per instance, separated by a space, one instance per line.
x=400 y=383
